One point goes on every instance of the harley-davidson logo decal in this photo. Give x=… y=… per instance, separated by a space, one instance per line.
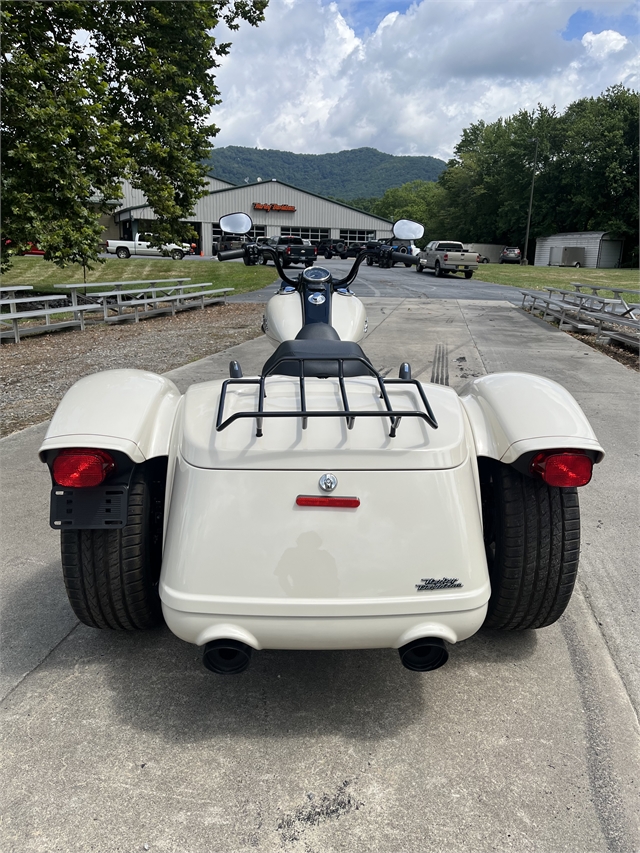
x=438 y=583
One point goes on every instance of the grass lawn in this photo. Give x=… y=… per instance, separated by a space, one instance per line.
x=42 y=275
x=537 y=278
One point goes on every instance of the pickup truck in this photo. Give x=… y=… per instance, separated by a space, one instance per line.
x=292 y=250
x=445 y=256
x=141 y=246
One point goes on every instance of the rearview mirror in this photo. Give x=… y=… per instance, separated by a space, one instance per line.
x=407 y=229
x=236 y=223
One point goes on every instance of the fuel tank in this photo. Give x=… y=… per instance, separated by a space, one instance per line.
x=283 y=317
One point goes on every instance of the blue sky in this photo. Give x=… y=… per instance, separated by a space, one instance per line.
x=584 y=21
x=407 y=77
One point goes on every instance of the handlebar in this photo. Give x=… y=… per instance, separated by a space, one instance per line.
x=230 y=254
x=404 y=258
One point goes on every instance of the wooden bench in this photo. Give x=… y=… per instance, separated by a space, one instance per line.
x=559 y=309
x=602 y=317
x=47 y=313
x=187 y=297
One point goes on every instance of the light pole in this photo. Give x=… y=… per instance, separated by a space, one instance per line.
x=524 y=260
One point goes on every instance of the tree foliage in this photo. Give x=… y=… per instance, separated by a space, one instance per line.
x=93 y=92
x=586 y=175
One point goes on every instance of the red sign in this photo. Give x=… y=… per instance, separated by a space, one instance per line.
x=286 y=208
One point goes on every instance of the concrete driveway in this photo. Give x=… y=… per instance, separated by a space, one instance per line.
x=523 y=742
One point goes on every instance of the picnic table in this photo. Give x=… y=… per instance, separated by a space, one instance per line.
x=617 y=292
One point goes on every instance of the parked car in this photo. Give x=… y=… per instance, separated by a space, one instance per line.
x=329 y=248
x=142 y=246
x=291 y=250
x=510 y=255
x=444 y=257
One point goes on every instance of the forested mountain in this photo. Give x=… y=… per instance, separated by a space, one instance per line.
x=359 y=173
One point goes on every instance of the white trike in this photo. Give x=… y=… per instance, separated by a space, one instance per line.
x=318 y=505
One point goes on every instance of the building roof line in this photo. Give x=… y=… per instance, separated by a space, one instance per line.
x=299 y=189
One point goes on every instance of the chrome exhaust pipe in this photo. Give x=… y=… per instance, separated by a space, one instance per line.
x=226 y=657
x=424 y=654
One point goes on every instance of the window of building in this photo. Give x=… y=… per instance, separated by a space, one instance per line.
x=256 y=231
x=350 y=236
x=313 y=234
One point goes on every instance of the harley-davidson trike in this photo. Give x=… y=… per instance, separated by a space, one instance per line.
x=318 y=505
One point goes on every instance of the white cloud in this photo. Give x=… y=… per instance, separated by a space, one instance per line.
x=303 y=81
x=604 y=43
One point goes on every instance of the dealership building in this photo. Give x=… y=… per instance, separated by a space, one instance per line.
x=275 y=207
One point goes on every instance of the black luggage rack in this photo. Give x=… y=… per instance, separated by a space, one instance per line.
x=259 y=414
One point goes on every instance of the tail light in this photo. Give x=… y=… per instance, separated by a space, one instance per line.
x=477 y=259
x=322 y=500
x=288 y=250
x=315 y=250
x=564 y=468
x=81 y=468
x=445 y=257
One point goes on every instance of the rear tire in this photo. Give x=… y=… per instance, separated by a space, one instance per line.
x=437 y=270
x=532 y=541
x=418 y=268
x=111 y=576
x=485 y=260
x=468 y=273
x=369 y=262
x=123 y=253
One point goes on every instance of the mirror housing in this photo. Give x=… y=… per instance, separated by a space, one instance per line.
x=236 y=223
x=407 y=229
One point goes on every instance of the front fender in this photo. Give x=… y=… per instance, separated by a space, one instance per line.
x=127 y=410
x=513 y=414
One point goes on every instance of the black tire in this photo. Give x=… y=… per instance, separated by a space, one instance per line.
x=437 y=270
x=286 y=263
x=264 y=260
x=344 y=257
x=327 y=256
x=501 y=261
x=112 y=576
x=532 y=540
x=468 y=273
x=177 y=255
x=369 y=261
x=418 y=268
x=308 y=263
x=339 y=248
x=485 y=260
x=123 y=253
x=577 y=265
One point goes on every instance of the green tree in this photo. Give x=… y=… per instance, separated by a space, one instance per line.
x=93 y=92
x=418 y=200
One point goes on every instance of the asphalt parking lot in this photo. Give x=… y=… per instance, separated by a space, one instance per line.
x=522 y=742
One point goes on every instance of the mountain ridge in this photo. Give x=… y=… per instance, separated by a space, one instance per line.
x=351 y=174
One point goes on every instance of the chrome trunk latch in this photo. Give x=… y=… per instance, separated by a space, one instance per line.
x=328 y=482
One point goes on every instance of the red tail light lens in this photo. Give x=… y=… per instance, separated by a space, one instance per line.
x=445 y=257
x=477 y=259
x=82 y=468
x=562 y=468
x=288 y=250
x=321 y=500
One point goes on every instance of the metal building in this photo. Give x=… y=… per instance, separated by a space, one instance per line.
x=579 y=248
x=275 y=207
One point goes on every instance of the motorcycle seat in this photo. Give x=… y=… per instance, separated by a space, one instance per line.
x=321 y=359
x=317 y=332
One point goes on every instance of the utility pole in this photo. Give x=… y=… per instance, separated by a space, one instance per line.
x=524 y=260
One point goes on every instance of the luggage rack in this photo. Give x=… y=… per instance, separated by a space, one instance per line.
x=259 y=414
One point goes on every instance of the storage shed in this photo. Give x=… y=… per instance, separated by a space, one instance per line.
x=579 y=248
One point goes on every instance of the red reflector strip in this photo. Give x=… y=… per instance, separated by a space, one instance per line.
x=321 y=500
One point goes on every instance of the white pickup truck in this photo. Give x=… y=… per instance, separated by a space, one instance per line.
x=141 y=246
x=445 y=256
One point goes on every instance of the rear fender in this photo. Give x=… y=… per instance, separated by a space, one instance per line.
x=514 y=415
x=131 y=411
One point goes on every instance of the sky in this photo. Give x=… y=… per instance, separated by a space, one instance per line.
x=406 y=78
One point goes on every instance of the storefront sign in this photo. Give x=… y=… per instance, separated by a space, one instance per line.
x=286 y=208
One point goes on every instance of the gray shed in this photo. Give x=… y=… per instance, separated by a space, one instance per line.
x=579 y=248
